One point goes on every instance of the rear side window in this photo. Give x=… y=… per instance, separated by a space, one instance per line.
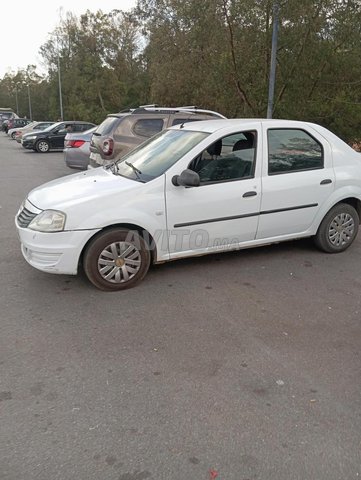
x=292 y=150
x=81 y=127
x=147 y=127
x=107 y=126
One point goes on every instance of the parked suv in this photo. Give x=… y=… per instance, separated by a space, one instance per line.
x=5 y=115
x=52 y=138
x=122 y=132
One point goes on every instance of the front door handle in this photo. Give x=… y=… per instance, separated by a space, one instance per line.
x=326 y=181
x=249 y=194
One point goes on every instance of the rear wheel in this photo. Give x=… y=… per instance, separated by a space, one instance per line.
x=116 y=259
x=338 y=229
x=42 y=146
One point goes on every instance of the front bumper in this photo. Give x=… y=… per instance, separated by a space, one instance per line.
x=95 y=160
x=29 y=144
x=57 y=252
x=54 y=252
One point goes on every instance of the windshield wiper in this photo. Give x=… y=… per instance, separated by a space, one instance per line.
x=135 y=169
x=110 y=166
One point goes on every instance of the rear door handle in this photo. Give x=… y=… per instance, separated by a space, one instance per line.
x=249 y=194
x=326 y=181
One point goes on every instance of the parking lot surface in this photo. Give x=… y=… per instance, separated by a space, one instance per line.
x=236 y=366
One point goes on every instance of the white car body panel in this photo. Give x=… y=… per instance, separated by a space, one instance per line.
x=285 y=206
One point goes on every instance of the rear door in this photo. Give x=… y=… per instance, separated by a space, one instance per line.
x=298 y=178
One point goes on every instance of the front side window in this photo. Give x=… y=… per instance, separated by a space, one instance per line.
x=147 y=127
x=292 y=150
x=229 y=158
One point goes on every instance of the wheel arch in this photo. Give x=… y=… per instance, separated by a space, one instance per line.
x=353 y=202
x=349 y=196
x=130 y=226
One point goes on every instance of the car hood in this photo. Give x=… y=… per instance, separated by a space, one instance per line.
x=72 y=190
x=33 y=133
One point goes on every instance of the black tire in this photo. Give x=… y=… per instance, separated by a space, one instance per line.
x=106 y=249
x=338 y=229
x=13 y=135
x=42 y=146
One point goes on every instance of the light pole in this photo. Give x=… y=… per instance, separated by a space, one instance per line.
x=60 y=94
x=16 y=97
x=30 y=112
x=272 y=75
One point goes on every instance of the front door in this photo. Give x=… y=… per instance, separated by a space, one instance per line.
x=223 y=211
x=57 y=138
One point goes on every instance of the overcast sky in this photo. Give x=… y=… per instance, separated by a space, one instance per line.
x=25 y=25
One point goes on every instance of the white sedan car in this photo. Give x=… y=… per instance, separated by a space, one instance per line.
x=194 y=189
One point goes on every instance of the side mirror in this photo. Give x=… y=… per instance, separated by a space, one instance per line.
x=187 y=178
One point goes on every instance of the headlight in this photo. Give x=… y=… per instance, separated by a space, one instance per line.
x=48 y=221
x=31 y=137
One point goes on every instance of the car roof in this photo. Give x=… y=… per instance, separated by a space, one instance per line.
x=212 y=126
x=154 y=109
x=75 y=121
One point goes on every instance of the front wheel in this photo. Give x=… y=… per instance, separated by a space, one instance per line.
x=116 y=259
x=338 y=229
x=13 y=135
x=42 y=146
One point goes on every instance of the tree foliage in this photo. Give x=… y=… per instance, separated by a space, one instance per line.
x=210 y=53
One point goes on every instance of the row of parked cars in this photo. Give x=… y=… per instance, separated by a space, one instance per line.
x=86 y=145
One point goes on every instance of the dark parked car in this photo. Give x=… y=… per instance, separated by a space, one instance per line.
x=76 y=149
x=16 y=123
x=52 y=138
x=122 y=132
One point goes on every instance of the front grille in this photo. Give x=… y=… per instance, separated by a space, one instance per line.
x=25 y=217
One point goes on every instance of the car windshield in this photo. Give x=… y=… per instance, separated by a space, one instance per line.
x=153 y=157
x=54 y=125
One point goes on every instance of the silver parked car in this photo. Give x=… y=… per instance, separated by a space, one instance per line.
x=17 y=133
x=76 y=151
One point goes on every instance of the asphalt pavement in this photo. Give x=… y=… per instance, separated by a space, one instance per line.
x=236 y=366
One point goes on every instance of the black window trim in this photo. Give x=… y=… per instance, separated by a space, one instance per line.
x=252 y=175
x=270 y=174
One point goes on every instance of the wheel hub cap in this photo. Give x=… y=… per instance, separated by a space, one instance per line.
x=119 y=262
x=341 y=229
